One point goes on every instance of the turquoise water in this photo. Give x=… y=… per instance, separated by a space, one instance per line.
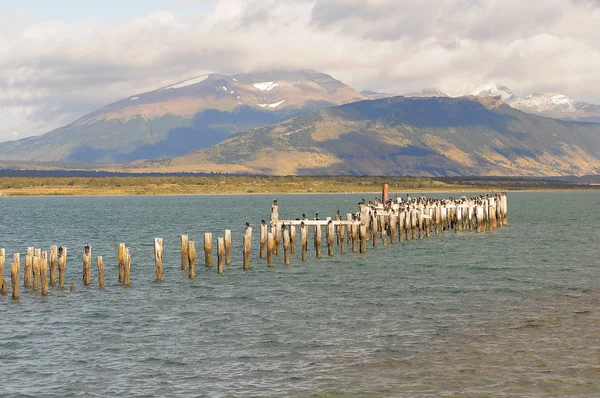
x=510 y=312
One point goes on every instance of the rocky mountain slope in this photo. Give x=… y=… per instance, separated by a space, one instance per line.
x=405 y=136
x=184 y=116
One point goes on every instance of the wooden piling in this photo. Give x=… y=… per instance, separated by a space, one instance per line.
x=303 y=240
x=44 y=273
x=158 y=258
x=270 y=248
x=220 y=254
x=191 y=251
x=277 y=235
x=349 y=230
x=374 y=227
x=227 y=247
x=3 y=284
x=100 y=272
x=28 y=268
x=208 y=247
x=317 y=239
x=53 y=257
x=87 y=265
x=384 y=237
x=36 y=272
x=393 y=226
x=62 y=266
x=127 y=268
x=292 y=238
x=355 y=233
x=15 y=269
x=247 y=247
x=263 y=239
x=330 y=237
x=286 y=247
x=121 y=261
x=184 y=254
x=341 y=232
x=363 y=238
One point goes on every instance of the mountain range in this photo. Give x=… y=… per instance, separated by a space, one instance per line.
x=182 y=117
x=306 y=122
x=405 y=136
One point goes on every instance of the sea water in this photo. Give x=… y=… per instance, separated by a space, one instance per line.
x=511 y=312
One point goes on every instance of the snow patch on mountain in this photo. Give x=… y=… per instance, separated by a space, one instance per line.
x=490 y=89
x=134 y=98
x=188 y=82
x=275 y=105
x=547 y=102
x=265 y=86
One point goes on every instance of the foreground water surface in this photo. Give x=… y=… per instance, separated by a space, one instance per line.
x=513 y=312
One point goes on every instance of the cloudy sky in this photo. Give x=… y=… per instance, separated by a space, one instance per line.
x=60 y=59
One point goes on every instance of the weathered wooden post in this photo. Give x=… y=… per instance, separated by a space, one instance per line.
x=341 y=234
x=286 y=246
x=158 y=258
x=374 y=227
x=191 y=251
x=53 y=257
x=227 y=247
x=393 y=226
x=384 y=237
x=401 y=225
x=36 y=272
x=330 y=237
x=317 y=239
x=28 y=269
x=363 y=238
x=44 y=273
x=87 y=265
x=100 y=272
x=121 y=261
x=304 y=239
x=247 y=247
x=3 y=284
x=354 y=234
x=184 y=254
x=420 y=225
x=263 y=238
x=292 y=238
x=208 y=246
x=385 y=193
x=220 y=254
x=62 y=266
x=277 y=235
x=270 y=248
x=349 y=230
x=127 y=268
x=15 y=269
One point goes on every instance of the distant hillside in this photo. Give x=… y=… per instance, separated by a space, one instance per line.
x=406 y=136
x=182 y=117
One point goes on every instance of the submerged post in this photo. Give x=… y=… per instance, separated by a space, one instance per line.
x=87 y=265
x=227 y=247
x=62 y=266
x=247 y=246
x=158 y=258
x=208 y=246
x=100 y=272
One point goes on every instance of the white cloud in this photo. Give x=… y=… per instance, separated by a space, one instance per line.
x=52 y=71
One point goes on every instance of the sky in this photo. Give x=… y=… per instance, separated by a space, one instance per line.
x=62 y=59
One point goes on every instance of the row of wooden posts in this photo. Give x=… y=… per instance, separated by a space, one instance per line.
x=385 y=219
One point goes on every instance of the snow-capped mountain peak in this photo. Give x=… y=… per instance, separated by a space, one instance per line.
x=490 y=89
x=547 y=102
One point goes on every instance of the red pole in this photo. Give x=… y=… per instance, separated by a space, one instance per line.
x=384 y=193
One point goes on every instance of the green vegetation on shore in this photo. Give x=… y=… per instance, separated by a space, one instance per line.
x=173 y=185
